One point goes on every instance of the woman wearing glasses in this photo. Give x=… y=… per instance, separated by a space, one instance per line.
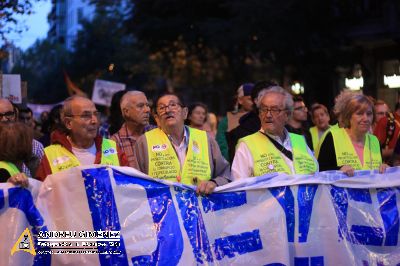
x=352 y=148
x=16 y=147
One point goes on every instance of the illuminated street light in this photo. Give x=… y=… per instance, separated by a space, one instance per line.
x=354 y=84
x=297 y=88
x=392 y=81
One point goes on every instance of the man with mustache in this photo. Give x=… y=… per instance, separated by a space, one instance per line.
x=80 y=144
x=179 y=153
x=273 y=148
x=135 y=110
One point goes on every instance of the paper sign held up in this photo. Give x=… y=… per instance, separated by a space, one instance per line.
x=11 y=87
x=104 y=90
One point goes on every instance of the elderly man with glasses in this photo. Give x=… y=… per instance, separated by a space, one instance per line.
x=273 y=148
x=80 y=144
x=8 y=114
x=179 y=153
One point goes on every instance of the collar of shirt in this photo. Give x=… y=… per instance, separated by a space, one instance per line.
x=182 y=147
x=286 y=141
x=124 y=133
x=184 y=142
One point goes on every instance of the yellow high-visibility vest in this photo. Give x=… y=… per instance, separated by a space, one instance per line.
x=164 y=163
x=316 y=149
x=61 y=159
x=347 y=155
x=268 y=159
x=314 y=136
x=11 y=168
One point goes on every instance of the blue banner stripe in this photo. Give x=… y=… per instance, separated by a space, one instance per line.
x=305 y=199
x=360 y=194
x=194 y=224
x=389 y=214
x=241 y=244
x=104 y=213
x=1 y=199
x=285 y=198
x=21 y=199
x=169 y=235
x=218 y=201
x=367 y=235
x=317 y=261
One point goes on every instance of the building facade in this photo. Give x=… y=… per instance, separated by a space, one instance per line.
x=65 y=20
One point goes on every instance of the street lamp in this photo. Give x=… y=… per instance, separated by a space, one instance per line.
x=297 y=88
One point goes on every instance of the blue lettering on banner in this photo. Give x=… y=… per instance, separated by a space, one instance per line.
x=194 y=224
x=243 y=243
x=169 y=236
x=1 y=199
x=312 y=261
x=104 y=213
x=21 y=198
x=218 y=201
x=305 y=199
x=358 y=234
x=275 y=264
x=389 y=214
x=378 y=263
x=360 y=195
x=285 y=198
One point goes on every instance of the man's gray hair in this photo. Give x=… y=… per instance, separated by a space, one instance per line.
x=124 y=103
x=280 y=90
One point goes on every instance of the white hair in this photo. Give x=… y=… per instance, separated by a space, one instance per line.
x=279 y=90
x=125 y=99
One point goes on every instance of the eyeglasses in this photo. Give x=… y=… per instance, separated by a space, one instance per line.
x=172 y=106
x=274 y=110
x=8 y=115
x=87 y=115
x=301 y=108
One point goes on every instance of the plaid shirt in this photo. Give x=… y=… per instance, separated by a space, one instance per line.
x=37 y=154
x=127 y=142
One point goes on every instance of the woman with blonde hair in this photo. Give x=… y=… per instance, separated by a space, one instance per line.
x=16 y=147
x=351 y=147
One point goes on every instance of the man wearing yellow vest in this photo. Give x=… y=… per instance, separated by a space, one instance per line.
x=273 y=148
x=80 y=144
x=179 y=153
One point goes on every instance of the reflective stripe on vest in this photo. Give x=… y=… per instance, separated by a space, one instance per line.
x=268 y=159
x=347 y=155
x=164 y=163
x=61 y=159
x=314 y=137
x=11 y=168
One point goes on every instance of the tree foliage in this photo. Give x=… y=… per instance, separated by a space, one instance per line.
x=42 y=66
x=9 y=9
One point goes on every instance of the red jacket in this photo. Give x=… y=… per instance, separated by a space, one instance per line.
x=58 y=137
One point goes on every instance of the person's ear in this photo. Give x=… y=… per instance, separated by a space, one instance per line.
x=185 y=112
x=68 y=122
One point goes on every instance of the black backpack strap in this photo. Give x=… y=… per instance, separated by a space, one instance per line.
x=280 y=148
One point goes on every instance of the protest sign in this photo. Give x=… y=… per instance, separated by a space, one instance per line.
x=104 y=90
x=11 y=87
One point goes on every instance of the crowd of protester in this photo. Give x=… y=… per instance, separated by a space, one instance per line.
x=267 y=130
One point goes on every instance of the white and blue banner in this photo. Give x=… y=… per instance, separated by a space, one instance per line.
x=275 y=220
